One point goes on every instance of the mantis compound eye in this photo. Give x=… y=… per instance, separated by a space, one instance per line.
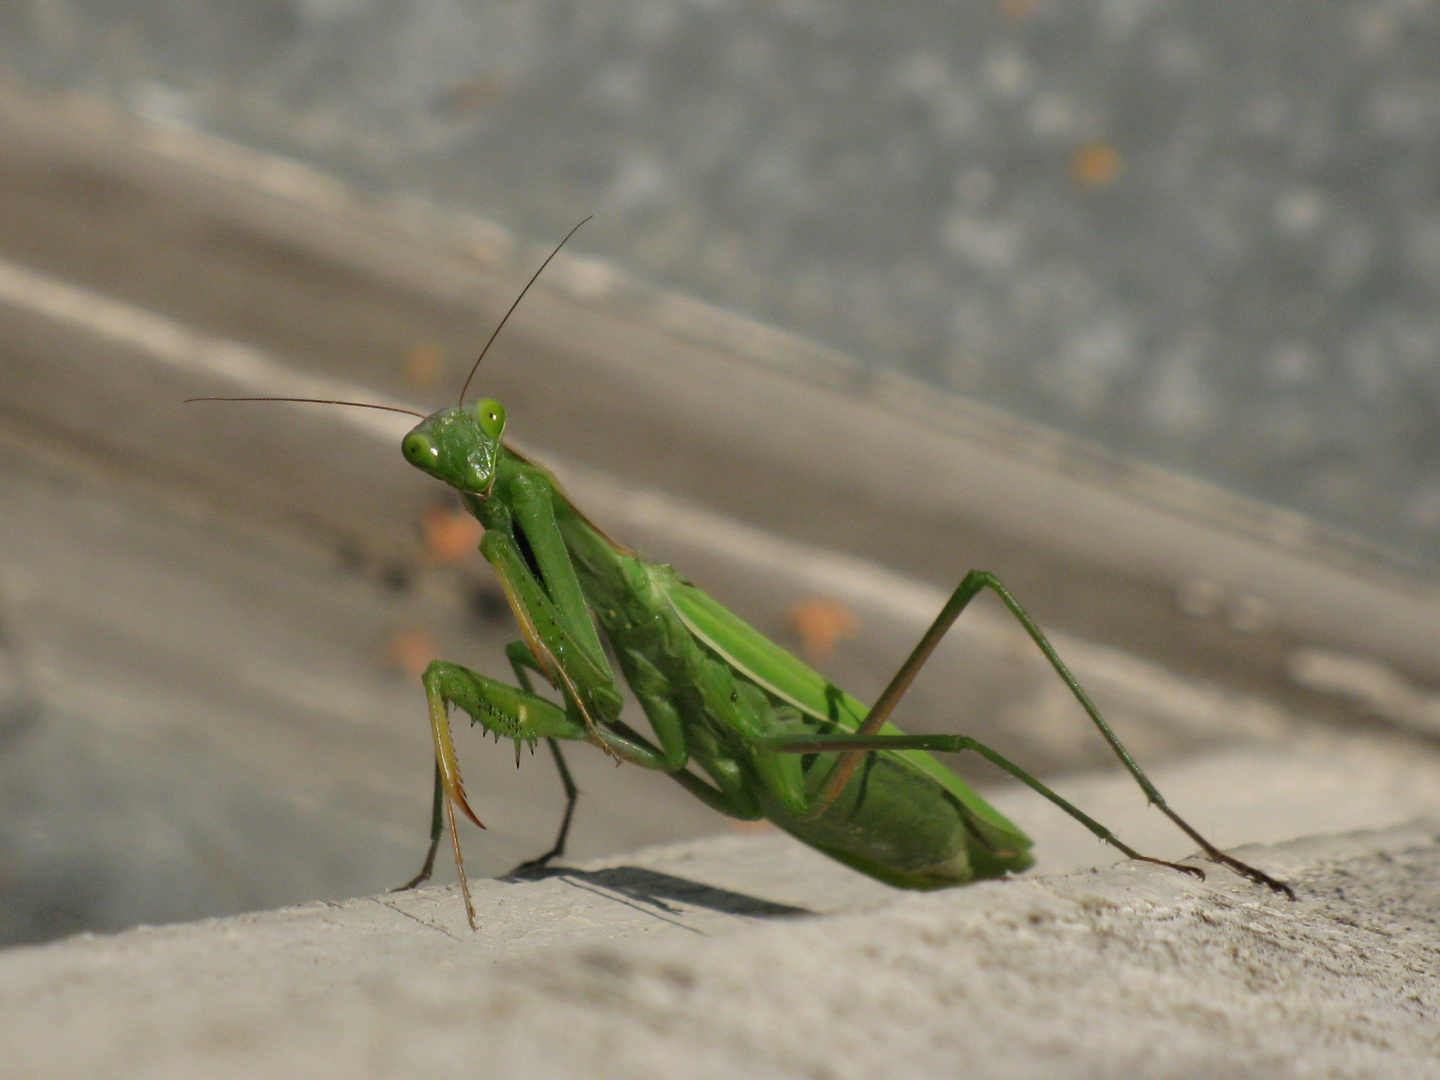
x=420 y=451
x=491 y=415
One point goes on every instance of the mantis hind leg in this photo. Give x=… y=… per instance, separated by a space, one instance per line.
x=866 y=737
x=956 y=744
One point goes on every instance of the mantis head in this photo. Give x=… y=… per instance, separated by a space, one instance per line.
x=459 y=445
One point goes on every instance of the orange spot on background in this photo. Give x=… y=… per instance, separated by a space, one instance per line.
x=1019 y=10
x=450 y=535
x=410 y=651
x=1096 y=165
x=424 y=364
x=475 y=94
x=821 y=625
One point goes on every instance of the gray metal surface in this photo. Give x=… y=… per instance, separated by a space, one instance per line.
x=1205 y=235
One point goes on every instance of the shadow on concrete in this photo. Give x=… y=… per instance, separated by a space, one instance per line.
x=661 y=893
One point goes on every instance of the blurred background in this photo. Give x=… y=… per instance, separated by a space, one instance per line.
x=1129 y=302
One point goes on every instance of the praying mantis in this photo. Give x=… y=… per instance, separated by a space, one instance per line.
x=736 y=720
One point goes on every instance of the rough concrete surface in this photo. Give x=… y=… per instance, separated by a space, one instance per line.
x=751 y=956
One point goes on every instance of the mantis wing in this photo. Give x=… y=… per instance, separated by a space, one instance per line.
x=789 y=679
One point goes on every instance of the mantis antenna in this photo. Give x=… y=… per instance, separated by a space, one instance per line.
x=313 y=401
x=474 y=368
x=511 y=311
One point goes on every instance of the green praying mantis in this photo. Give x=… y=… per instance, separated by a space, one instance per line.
x=735 y=719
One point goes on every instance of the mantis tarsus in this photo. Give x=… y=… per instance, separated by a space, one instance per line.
x=771 y=737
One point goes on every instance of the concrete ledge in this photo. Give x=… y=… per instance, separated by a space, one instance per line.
x=750 y=956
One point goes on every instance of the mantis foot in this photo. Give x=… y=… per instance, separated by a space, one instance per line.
x=1258 y=876
x=1193 y=871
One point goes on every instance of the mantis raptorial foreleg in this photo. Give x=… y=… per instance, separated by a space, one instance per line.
x=504 y=710
x=557 y=641
x=510 y=712
x=520 y=658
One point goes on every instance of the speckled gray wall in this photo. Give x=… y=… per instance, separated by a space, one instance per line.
x=1205 y=234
